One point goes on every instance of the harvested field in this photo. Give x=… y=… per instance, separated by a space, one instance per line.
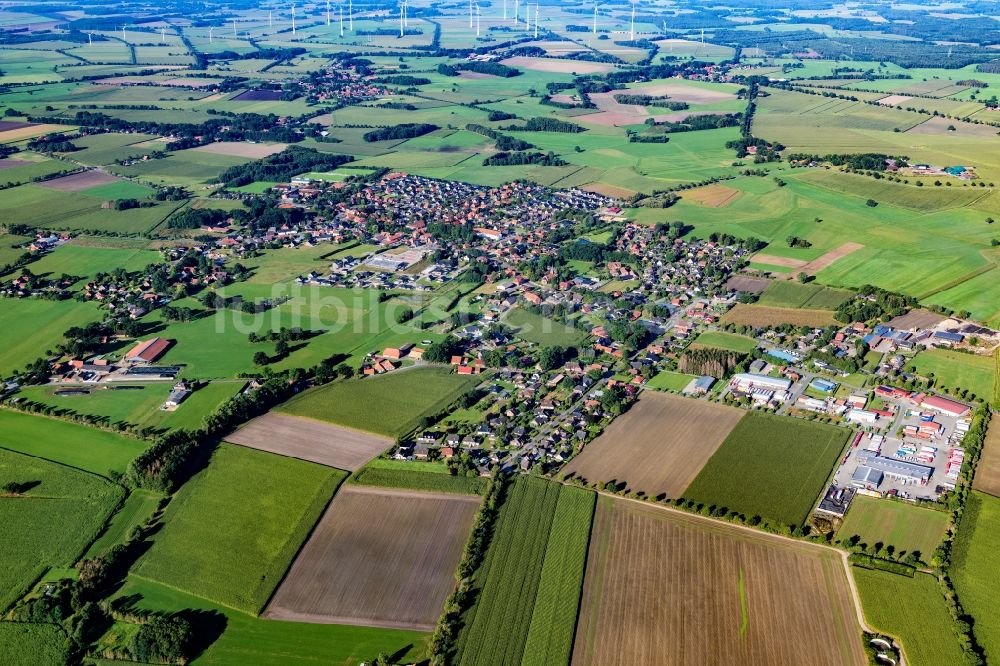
x=608 y=190
x=28 y=130
x=315 y=441
x=772 y=260
x=828 y=259
x=378 y=557
x=713 y=196
x=740 y=596
x=987 y=477
x=10 y=163
x=746 y=283
x=556 y=47
x=253 y=151
x=762 y=315
x=918 y=318
x=79 y=181
x=658 y=446
x=6 y=125
x=894 y=100
x=679 y=93
x=558 y=66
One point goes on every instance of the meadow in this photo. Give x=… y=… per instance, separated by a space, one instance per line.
x=86 y=261
x=514 y=585
x=139 y=404
x=788 y=294
x=722 y=340
x=668 y=380
x=33 y=327
x=79 y=211
x=904 y=526
x=137 y=509
x=955 y=371
x=51 y=523
x=273 y=643
x=911 y=610
x=771 y=466
x=542 y=330
x=389 y=405
x=975 y=558
x=79 y=446
x=231 y=532
x=387 y=475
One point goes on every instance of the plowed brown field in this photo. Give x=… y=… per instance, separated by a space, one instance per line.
x=658 y=446
x=378 y=557
x=664 y=587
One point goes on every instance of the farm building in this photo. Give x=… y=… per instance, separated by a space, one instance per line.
x=179 y=393
x=700 y=385
x=147 y=351
x=945 y=406
x=746 y=382
x=946 y=338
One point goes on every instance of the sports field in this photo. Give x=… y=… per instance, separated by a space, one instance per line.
x=956 y=371
x=49 y=521
x=658 y=447
x=378 y=557
x=913 y=611
x=667 y=380
x=744 y=594
x=771 y=466
x=231 y=532
x=906 y=527
x=388 y=405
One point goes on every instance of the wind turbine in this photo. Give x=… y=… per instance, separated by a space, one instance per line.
x=516 y=9
x=477 y=19
x=702 y=36
x=470 y=13
x=210 y=35
x=328 y=12
x=270 y=19
x=504 y=10
x=595 y=19
x=293 y=20
x=163 y=35
x=342 y=20
x=90 y=38
x=123 y=34
x=235 y=35
x=401 y=20
x=631 y=30
x=536 y=21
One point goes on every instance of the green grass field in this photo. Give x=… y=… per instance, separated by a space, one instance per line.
x=86 y=262
x=904 y=526
x=33 y=644
x=79 y=446
x=788 y=294
x=248 y=639
x=140 y=405
x=975 y=559
x=414 y=478
x=32 y=327
x=912 y=610
x=771 y=466
x=52 y=523
x=954 y=371
x=542 y=330
x=670 y=381
x=386 y=405
x=531 y=578
x=138 y=507
x=722 y=340
x=231 y=532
